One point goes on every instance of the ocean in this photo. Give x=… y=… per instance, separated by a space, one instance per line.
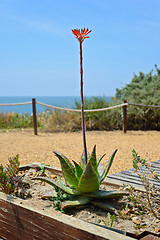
x=68 y=102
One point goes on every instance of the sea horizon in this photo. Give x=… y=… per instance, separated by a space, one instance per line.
x=59 y=101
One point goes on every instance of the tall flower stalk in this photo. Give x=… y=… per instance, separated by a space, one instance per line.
x=82 y=179
x=81 y=34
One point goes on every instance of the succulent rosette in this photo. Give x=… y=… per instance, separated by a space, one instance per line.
x=82 y=182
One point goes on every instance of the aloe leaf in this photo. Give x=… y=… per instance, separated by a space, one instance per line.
x=78 y=170
x=108 y=166
x=49 y=194
x=89 y=181
x=100 y=169
x=105 y=206
x=68 y=172
x=63 y=187
x=100 y=159
x=80 y=200
x=82 y=161
x=64 y=157
x=106 y=194
x=93 y=160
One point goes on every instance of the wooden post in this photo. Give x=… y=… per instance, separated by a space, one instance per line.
x=34 y=116
x=124 y=117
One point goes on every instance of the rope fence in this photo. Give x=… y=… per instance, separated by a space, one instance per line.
x=14 y=104
x=141 y=105
x=123 y=106
x=78 y=110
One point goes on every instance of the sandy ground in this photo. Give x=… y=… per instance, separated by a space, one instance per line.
x=40 y=148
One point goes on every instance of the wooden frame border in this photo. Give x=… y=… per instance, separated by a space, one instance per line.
x=19 y=221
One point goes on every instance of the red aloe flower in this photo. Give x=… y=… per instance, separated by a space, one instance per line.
x=81 y=34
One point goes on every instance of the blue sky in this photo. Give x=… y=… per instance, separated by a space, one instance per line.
x=39 y=55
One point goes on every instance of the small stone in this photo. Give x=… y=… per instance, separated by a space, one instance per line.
x=19 y=191
x=157 y=229
x=128 y=211
x=143 y=224
x=157 y=220
x=53 y=176
x=86 y=219
x=43 y=183
x=102 y=223
x=136 y=220
x=34 y=174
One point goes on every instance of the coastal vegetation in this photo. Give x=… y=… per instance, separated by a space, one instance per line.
x=143 y=89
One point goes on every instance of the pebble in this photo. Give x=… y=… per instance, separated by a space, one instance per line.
x=32 y=172
x=86 y=219
x=157 y=220
x=143 y=224
x=53 y=176
x=102 y=223
x=135 y=220
x=157 y=229
x=43 y=183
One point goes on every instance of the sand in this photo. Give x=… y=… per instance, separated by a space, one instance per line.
x=40 y=148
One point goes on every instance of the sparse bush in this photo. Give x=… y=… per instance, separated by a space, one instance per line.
x=149 y=200
x=8 y=175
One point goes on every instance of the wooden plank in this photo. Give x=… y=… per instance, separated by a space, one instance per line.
x=131 y=180
x=19 y=221
x=125 y=179
x=155 y=162
x=135 y=174
x=35 y=165
x=130 y=171
x=133 y=177
x=152 y=168
x=117 y=182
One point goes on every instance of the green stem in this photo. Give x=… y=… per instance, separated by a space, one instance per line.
x=82 y=106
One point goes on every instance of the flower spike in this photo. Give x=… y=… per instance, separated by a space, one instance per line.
x=81 y=34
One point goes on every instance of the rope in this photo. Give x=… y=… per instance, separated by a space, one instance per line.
x=78 y=110
x=141 y=105
x=14 y=104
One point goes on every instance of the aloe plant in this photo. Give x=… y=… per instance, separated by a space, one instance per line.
x=82 y=181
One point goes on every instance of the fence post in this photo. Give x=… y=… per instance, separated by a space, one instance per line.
x=124 y=117
x=34 y=115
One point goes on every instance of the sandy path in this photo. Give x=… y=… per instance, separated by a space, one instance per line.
x=39 y=148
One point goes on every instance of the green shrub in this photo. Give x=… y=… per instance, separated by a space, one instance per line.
x=143 y=89
x=8 y=175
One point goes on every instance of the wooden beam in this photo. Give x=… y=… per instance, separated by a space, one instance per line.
x=34 y=115
x=124 y=116
x=19 y=221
